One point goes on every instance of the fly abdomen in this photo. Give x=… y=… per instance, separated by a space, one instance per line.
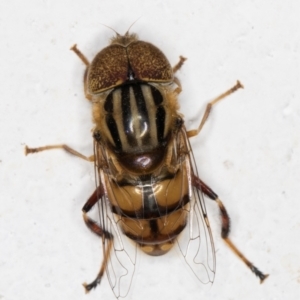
x=152 y=213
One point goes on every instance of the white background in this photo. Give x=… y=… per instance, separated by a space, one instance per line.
x=249 y=151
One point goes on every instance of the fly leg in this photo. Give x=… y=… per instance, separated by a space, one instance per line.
x=62 y=146
x=80 y=55
x=175 y=69
x=87 y=63
x=194 y=132
x=200 y=185
x=179 y=64
x=91 y=224
x=107 y=237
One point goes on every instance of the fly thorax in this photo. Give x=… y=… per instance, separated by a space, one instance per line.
x=137 y=126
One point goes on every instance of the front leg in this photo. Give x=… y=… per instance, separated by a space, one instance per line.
x=178 y=66
x=87 y=63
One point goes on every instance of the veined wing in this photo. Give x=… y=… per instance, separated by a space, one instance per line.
x=121 y=261
x=196 y=242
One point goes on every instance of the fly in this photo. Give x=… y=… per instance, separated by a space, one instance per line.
x=147 y=186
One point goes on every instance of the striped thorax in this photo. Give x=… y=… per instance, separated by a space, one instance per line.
x=136 y=121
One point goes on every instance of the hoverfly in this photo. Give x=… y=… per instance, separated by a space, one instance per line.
x=147 y=187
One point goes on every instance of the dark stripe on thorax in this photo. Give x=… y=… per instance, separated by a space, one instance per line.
x=160 y=113
x=122 y=132
x=160 y=123
x=142 y=110
x=156 y=95
x=112 y=126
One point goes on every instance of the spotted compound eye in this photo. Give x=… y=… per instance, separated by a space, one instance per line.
x=121 y=63
x=148 y=63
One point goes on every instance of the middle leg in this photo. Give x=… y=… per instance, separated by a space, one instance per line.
x=64 y=147
x=209 y=106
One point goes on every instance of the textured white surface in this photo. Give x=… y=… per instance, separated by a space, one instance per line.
x=249 y=152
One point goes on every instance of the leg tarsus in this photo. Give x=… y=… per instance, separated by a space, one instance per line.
x=259 y=274
x=92 y=285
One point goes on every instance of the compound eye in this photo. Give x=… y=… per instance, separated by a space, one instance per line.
x=108 y=69
x=148 y=63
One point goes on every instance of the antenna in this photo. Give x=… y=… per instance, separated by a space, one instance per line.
x=127 y=32
x=112 y=29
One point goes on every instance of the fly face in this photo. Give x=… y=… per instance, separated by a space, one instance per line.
x=148 y=190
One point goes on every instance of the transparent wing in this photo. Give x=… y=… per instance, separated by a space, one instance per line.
x=174 y=211
x=196 y=242
x=121 y=261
